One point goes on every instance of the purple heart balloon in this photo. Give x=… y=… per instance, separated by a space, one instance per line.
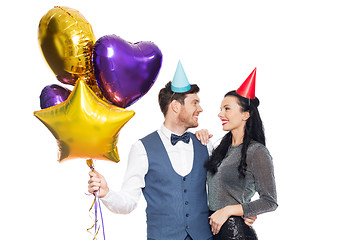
x=52 y=95
x=125 y=71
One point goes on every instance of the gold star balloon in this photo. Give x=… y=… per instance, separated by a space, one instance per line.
x=85 y=126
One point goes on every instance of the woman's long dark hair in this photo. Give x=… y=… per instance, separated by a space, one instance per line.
x=253 y=131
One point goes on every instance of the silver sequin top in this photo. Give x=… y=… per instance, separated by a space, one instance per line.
x=226 y=188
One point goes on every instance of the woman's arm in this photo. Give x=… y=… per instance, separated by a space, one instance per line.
x=261 y=166
x=218 y=218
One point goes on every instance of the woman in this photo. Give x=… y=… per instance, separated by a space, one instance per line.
x=240 y=166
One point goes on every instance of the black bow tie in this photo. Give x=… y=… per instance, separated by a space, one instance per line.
x=175 y=138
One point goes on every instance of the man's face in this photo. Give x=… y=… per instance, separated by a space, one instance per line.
x=189 y=112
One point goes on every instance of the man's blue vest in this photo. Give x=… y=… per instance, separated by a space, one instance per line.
x=176 y=205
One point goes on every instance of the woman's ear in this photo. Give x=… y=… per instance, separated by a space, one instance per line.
x=245 y=115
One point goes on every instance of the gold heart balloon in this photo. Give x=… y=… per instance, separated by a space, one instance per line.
x=66 y=39
x=85 y=126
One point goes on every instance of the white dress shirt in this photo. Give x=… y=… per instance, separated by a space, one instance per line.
x=181 y=158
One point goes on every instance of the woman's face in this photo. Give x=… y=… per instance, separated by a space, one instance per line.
x=231 y=114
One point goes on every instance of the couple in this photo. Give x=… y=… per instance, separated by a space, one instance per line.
x=171 y=166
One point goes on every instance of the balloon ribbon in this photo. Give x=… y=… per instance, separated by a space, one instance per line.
x=95 y=205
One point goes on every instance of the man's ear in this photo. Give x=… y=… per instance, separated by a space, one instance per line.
x=175 y=106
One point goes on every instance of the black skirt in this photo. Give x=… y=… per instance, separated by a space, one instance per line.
x=235 y=229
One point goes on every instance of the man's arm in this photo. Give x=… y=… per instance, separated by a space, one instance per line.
x=125 y=200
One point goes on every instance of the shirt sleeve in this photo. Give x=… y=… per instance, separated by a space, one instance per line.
x=125 y=200
x=263 y=172
x=210 y=148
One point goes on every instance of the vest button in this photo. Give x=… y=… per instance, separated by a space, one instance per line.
x=187 y=227
x=187 y=215
x=185 y=190
x=186 y=202
x=184 y=178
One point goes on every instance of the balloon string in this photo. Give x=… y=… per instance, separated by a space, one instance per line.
x=96 y=212
x=101 y=217
x=95 y=221
x=96 y=205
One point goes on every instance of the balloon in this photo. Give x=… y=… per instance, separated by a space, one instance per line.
x=52 y=95
x=125 y=71
x=66 y=40
x=85 y=126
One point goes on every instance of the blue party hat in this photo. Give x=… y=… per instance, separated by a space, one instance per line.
x=180 y=82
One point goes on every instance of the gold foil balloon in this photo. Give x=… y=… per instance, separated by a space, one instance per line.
x=66 y=40
x=85 y=126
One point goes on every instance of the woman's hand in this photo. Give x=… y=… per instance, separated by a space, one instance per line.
x=250 y=220
x=217 y=219
x=203 y=135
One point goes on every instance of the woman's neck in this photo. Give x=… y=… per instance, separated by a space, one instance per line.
x=237 y=136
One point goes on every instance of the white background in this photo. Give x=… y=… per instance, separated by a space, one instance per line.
x=308 y=56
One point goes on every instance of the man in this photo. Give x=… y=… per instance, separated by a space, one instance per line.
x=167 y=165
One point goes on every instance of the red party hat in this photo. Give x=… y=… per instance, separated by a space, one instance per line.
x=247 y=89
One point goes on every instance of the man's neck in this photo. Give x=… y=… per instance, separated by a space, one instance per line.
x=175 y=127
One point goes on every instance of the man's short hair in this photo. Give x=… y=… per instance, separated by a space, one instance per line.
x=166 y=96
